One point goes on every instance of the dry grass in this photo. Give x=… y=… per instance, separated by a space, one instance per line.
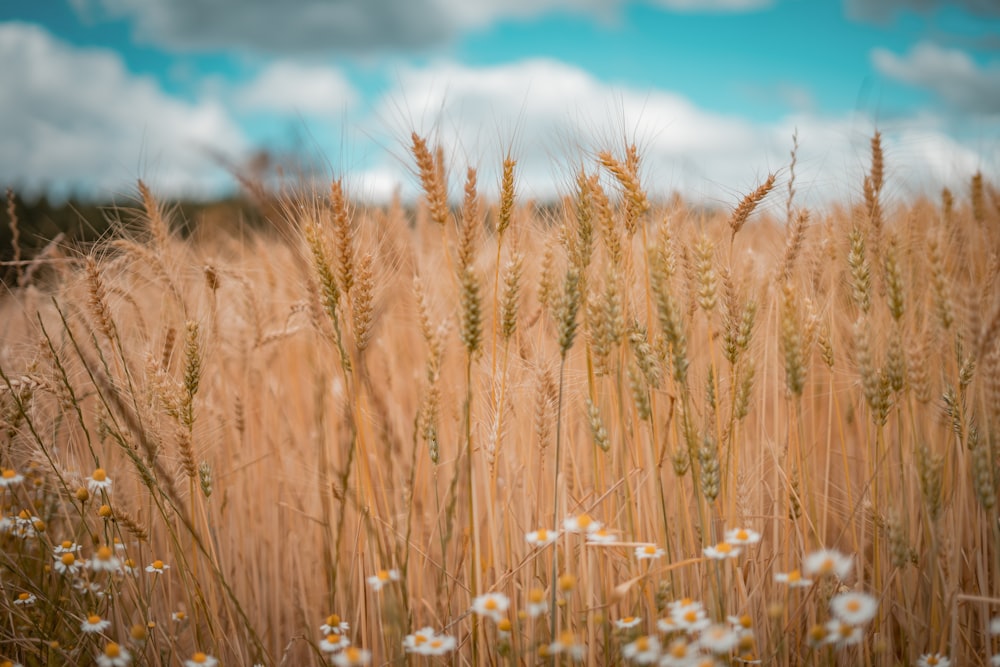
x=368 y=416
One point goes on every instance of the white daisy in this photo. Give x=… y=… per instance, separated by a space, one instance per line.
x=381 y=578
x=842 y=634
x=794 y=579
x=722 y=551
x=491 y=605
x=66 y=564
x=601 y=536
x=855 y=608
x=567 y=643
x=644 y=650
x=740 y=536
x=582 y=523
x=98 y=481
x=828 y=562
x=627 y=622
x=157 y=567
x=333 y=643
x=537 y=603
x=9 y=478
x=104 y=561
x=719 y=639
x=200 y=659
x=352 y=656
x=114 y=656
x=933 y=660
x=95 y=623
x=334 y=626
x=648 y=552
x=541 y=537
x=25 y=599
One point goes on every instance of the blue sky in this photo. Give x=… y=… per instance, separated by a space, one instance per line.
x=101 y=92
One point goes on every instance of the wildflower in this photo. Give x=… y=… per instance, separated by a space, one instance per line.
x=129 y=566
x=427 y=642
x=352 y=656
x=627 y=622
x=66 y=564
x=98 y=481
x=381 y=578
x=644 y=650
x=566 y=583
x=601 y=536
x=26 y=599
x=667 y=625
x=139 y=633
x=95 y=623
x=719 y=639
x=178 y=616
x=104 y=561
x=333 y=643
x=842 y=634
x=491 y=605
x=537 y=604
x=200 y=659
x=689 y=615
x=582 y=523
x=933 y=660
x=794 y=579
x=9 y=478
x=114 y=656
x=648 y=551
x=541 y=537
x=827 y=562
x=157 y=567
x=995 y=625
x=818 y=635
x=741 y=536
x=854 y=608
x=66 y=547
x=334 y=626
x=722 y=551
x=567 y=643
x=679 y=653
x=504 y=628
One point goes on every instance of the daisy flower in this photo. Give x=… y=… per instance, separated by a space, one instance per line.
x=26 y=599
x=352 y=656
x=826 y=562
x=933 y=660
x=842 y=634
x=492 y=605
x=818 y=635
x=334 y=626
x=741 y=536
x=689 y=615
x=104 y=561
x=129 y=566
x=644 y=650
x=98 y=481
x=601 y=536
x=504 y=628
x=427 y=642
x=719 y=639
x=157 y=567
x=648 y=551
x=627 y=622
x=679 y=653
x=582 y=523
x=667 y=625
x=381 y=578
x=114 y=656
x=66 y=547
x=200 y=659
x=794 y=579
x=178 y=616
x=66 y=564
x=95 y=623
x=10 y=478
x=537 y=604
x=333 y=643
x=541 y=537
x=568 y=644
x=413 y=643
x=854 y=608
x=722 y=551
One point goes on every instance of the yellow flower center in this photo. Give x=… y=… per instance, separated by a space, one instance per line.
x=104 y=553
x=827 y=566
x=112 y=650
x=649 y=549
x=691 y=616
x=353 y=654
x=332 y=638
x=99 y=475
x=746 y=621
x=536 y=595
x=504 y=625
x=817 y=633
x=9 y=474
x=490 y=604
x=68 y=559
x=437 y=643
x=138 y=632
x=24 y=596
x=419 y=639
x=853 y=605
x=93 y=619
x=66 y=544
x=794 y=575
x=742 y=534
x=333 y=620
x=584 y=520
x=724 y=547
x=542 y=535
x=642 y=643
x=157 y=564
x=628 y=619
x=567 y=582
x=566 y=638
x=199 y=657
x=383 y=575
x=679 y=650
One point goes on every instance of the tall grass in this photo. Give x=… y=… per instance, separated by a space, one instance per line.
x=367 y=421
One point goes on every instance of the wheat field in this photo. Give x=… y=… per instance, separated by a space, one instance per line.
x=610 y=430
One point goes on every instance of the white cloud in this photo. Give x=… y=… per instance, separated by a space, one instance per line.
x=288 y=87
x=75 y=120
x=948 y=73
x=557 y=115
